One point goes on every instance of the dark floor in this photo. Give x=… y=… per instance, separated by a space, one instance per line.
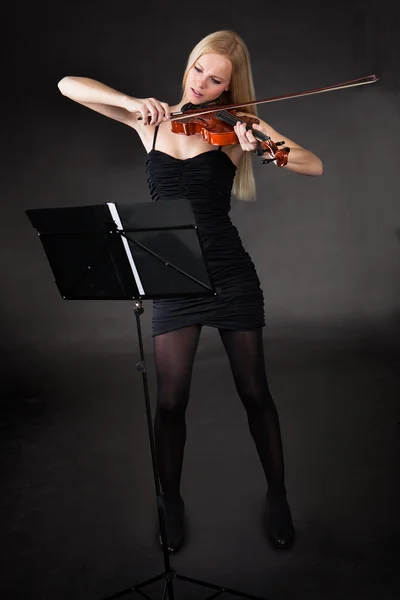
x=78 y=514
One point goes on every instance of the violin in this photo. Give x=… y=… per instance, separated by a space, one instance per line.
x=215 y=123
x=216 y=128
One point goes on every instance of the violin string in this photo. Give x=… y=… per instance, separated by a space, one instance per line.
x=232 y=120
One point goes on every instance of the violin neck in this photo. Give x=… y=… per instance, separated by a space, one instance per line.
x=231 y=119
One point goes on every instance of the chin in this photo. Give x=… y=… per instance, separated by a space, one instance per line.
x=193 y=99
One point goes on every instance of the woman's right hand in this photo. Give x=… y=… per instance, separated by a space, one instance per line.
x=152 y=111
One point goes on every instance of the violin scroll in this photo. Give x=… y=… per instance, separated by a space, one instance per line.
x=266 y=145
x=280 y=156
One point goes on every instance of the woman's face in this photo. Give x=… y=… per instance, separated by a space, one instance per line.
x=208 y=78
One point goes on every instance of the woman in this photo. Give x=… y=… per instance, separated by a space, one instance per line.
x=218 y=70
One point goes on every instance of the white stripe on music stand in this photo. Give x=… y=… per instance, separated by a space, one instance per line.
x=118 y=222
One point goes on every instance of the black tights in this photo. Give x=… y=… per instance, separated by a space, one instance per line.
x=174 y=356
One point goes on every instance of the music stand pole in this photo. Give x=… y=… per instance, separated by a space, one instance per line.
x=118 y=243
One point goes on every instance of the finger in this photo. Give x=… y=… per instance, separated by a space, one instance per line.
x=250 y=143
x=242 y=138
x=250 y=137
x=144 y=112
x=248 y=134
x=246 y=142
x=239 y=133
x=160 y=111
x=241 y=129
x=152 y=110
x=167 y=111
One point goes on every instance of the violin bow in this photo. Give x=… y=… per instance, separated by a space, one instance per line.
x=338 y=86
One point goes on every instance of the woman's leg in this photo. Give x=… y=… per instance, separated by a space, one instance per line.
x=174 y=357
x=246 y=356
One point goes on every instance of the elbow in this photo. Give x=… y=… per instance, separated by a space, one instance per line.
x=63 y=85
x=318 y=168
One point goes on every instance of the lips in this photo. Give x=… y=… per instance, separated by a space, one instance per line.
x=196 y=93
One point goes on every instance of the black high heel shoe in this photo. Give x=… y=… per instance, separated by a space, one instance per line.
x=279 y=522
x=174 y=514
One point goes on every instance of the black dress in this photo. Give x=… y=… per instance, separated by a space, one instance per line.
x=206 y=181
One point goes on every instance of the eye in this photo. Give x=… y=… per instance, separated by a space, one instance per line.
x=198 y=70
x=215 y=81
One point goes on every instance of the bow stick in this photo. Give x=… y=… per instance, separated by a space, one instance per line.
x=339 y=86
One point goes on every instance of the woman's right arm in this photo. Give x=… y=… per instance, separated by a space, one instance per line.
x=113 y=104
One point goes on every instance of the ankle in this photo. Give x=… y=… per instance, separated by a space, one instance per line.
x=277 y=494
x=172 y=497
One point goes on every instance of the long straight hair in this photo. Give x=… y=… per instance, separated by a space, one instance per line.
x=241 y=89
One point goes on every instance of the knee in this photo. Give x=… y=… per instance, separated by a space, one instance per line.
x=255 y=397
x=171 y=404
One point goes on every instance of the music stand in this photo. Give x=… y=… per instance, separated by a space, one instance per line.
x=136 y=252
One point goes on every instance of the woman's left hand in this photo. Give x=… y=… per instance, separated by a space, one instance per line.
x=245 y=136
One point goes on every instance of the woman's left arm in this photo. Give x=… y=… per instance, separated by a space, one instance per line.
x=300 y=160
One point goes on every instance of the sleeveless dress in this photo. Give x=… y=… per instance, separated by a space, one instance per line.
x=206 y=181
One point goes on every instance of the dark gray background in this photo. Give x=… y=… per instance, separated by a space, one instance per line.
x=326 y=248
x=327 y=251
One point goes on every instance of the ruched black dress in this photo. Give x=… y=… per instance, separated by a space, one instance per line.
x=206 y=181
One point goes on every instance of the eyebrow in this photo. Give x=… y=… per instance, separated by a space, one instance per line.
x=216 y=76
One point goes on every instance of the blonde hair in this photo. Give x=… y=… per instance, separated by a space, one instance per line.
x=241 y=89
